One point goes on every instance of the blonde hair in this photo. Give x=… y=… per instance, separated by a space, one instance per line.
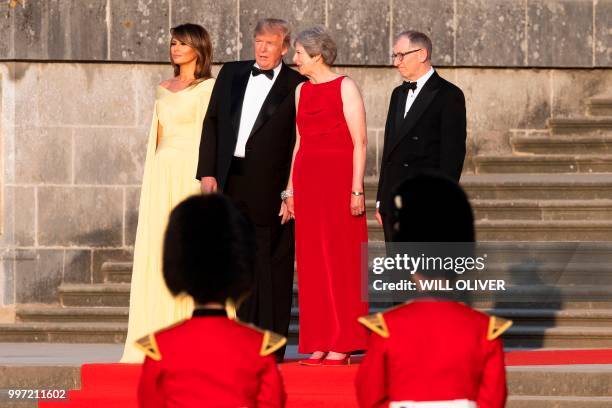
x=275 y=25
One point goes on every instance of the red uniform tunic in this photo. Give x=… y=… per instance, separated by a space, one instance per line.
x=431 y=350
x=211 y=362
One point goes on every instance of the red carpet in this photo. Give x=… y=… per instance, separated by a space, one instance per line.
x=114 y=385
x=558 y=357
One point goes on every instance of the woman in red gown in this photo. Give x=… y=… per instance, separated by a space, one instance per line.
x=325 y=196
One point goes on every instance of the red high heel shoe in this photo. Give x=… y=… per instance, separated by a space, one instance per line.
x=346 y=360
x=312 y=361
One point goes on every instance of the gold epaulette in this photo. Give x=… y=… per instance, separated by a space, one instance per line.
x=271 y=342
x=149 y=346
x=497 y=326
x=376 y=323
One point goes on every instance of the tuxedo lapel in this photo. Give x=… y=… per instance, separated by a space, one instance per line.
x=277 y=94
x=400 y=108
x=237 y=96
x=419 y=106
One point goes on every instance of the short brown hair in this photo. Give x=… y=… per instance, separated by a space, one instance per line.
x=318 y=41
x=196 y=37
x=275 y=25
x=417 y=38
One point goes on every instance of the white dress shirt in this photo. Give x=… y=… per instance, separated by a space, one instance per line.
x=257 y=90
x=412 y=94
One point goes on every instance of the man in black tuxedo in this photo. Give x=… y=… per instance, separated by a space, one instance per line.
x=426 y=124
x=246 y=148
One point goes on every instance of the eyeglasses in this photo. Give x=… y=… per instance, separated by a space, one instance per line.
x=400 y=55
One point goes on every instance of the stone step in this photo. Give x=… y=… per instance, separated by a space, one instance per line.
x=555 y=318
x=99 y=294
x=527 y=230
x=370 y=186
x=505 y=209
x=543 y=304
x=39 y=376
x=117 y=272
x=560 y=381
x=551 y=401
x=553 y=272
x=543 y=164
x=64 y=332
x=370 y=207
x=532 y=209
x=565 y=144
x=521 y=335
x=535 y=317
x=594 y=296
x=600 y=106
x=538 y=186
x=583 y=125
x=375 y=231
x=591 y=254
x=535 y=230
x=46 y=313
x=558 y=337
x=516 y=186
x=571 y=337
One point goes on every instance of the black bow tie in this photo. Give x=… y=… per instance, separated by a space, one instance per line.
x=269 y=73
x=406 y=86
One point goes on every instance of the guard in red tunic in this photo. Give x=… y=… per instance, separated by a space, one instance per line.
x=212 y=359
x=433 y=352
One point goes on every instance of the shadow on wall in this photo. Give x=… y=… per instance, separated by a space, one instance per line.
x=536 y=304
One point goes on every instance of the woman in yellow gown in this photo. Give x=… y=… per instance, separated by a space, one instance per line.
x=169 y=178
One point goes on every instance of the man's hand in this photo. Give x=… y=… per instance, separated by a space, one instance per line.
x=208 y=185
x=378 y=217
x=284 y=213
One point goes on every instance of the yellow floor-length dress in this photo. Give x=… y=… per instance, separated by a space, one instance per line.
x=169 y=178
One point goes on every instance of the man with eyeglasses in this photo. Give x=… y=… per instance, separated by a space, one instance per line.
x=426 y=123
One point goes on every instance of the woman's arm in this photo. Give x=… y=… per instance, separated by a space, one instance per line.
x=286 y=211
x=354 y=114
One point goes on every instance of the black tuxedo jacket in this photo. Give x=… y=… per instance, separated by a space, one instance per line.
x=431 y=136
x=269 y=147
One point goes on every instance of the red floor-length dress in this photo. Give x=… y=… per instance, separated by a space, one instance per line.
x=327 y=237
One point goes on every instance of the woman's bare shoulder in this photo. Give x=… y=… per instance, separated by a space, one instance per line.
x=348 y=82
x=349 y=88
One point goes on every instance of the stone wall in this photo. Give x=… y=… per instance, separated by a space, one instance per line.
x=77 y=81
x=492 y=33
x=73 y=143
